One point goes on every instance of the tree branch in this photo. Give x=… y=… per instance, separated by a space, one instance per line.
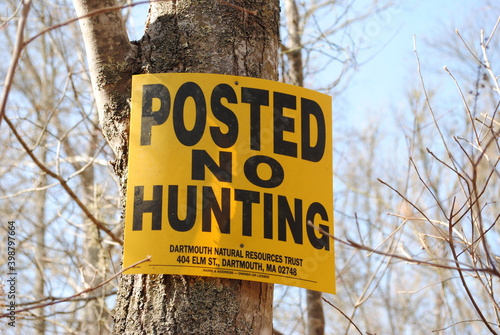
x=101 y=225
x=147 y=259
x=16 y=54
x=340 y=311
x=109 y=52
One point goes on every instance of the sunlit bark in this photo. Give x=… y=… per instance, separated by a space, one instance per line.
x=181 y=36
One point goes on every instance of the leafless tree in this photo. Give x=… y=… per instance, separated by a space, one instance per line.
x=435 y=247
x=403 y=272
x=55 y=182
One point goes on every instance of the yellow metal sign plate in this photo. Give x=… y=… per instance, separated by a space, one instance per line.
x=225 y=172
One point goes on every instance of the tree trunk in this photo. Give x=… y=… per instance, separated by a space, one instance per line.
x=207 y=36
x=315 y=314
x=96 y=313
x=40 y=198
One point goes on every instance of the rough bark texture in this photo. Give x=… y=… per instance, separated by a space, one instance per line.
x=207 y=36
x=161 y=304
x=210 y=36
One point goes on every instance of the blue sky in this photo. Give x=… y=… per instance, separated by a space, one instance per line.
x=388 y=62
x=390 y=65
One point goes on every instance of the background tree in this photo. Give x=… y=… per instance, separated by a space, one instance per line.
x=321 y=37
x=434 y=246
x=405 y=272
x=55 y=180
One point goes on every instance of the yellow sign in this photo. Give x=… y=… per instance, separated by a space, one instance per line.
x=225 y=173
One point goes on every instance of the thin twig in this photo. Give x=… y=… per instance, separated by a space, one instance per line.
x=147 y=259
x=407 y=201
x=414 y=218
x=471 y=118
x=89 y=14
x=487 y=62
x=459 y=322
x=16 y=55
x=21 y=43
x=427 y=187
x=467 y=47
x=466 y=287
x=427 y=101
x=340 y=311
x=390 y=235
x=492 y=32
x=101 y=225
x=18 y=8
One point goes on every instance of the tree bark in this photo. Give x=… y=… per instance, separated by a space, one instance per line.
x=315 y=314
x=40 y=198
x=207 y=36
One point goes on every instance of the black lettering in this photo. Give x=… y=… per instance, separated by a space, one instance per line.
x=283 y=123
x=223 y=171
x=324 y=241
x=255 y=98
x=277 y=173
x=294 y=222
x=142 y=206
x=247 y=198
x=173 y=208
x=222 y=213
x=310 y=152
x=152 y=118
x=193 y=136
x=225 y=115
x=268 y=215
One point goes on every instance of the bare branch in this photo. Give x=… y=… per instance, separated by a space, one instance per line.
x=361 y=246
x=340 y=311
x=466 y=286
x=469 y=114
x=64 y=184
x=16 y=54
x=486 y=60
x=147 y=259
x=467 y=46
